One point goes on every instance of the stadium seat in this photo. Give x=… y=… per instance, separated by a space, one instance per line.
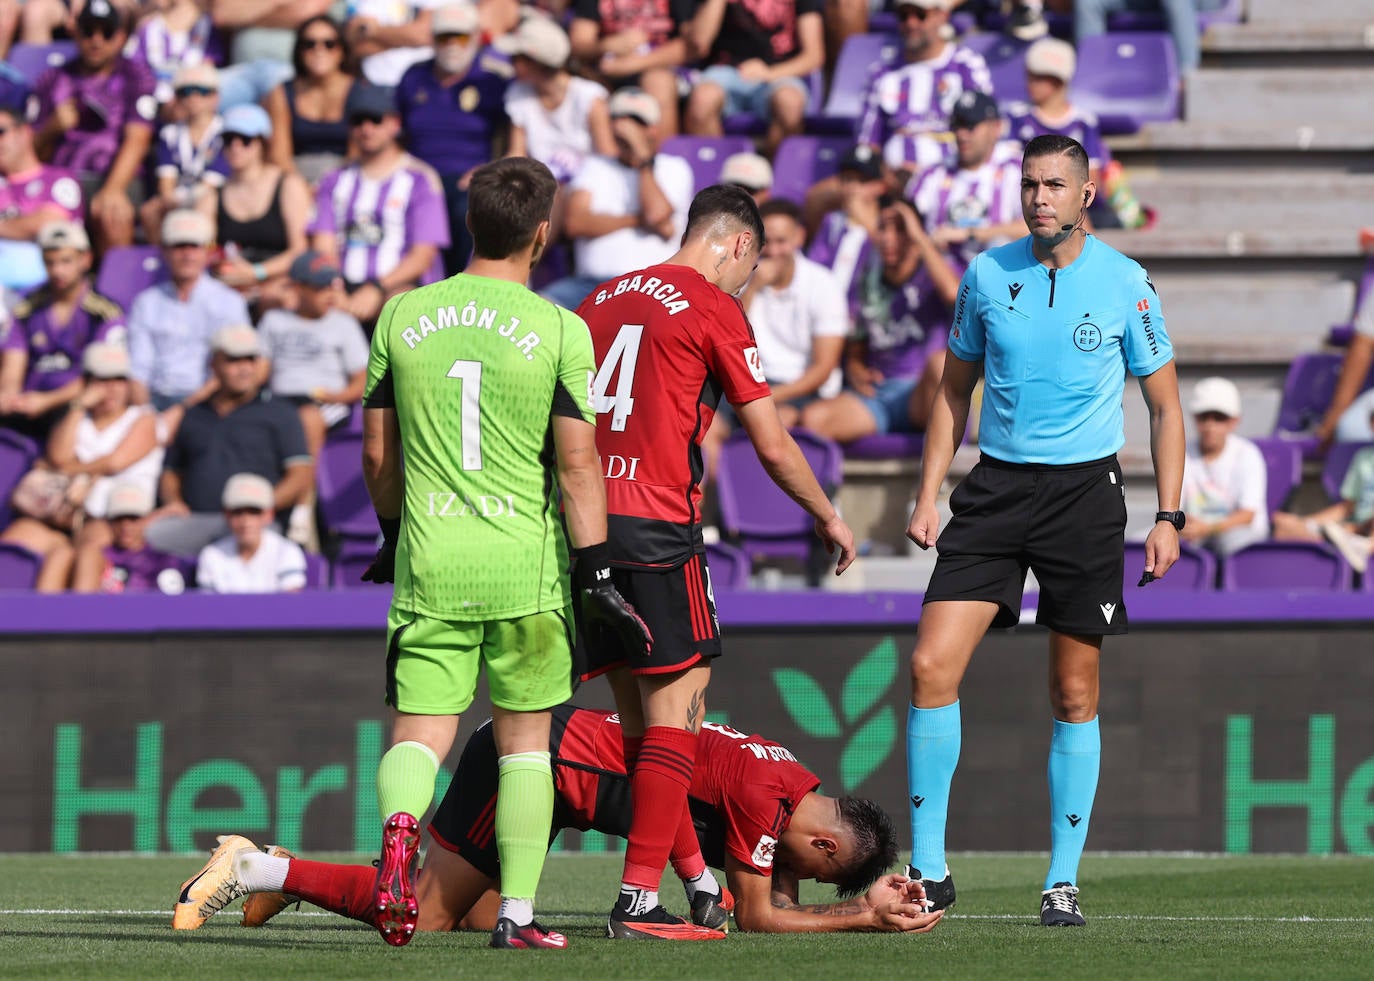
x=1006 y=58
x=17 y=454
x=1283 y=469
x=729 y=566
x=1196 y=568
x=1214 y=12
x=747 y=124
x=344 y=503
x=1337 y=463
x=1286 y=565
x=861 y=56
x=316 y=571
x=757 y=516
x=355 y=555
x=801 y=161
x=706 y=154
x=18 y=567
x=1307 y=391
x=32 y=60
x=1127 y=79
x=127 y=271
x=886 y=446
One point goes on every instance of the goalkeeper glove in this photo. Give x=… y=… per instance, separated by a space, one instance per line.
x=383 y=567
x=602 y=606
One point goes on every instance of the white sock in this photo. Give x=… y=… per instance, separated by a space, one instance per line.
x=518 y=911
x=640 y=900
x=261 y=873
x=706 y=882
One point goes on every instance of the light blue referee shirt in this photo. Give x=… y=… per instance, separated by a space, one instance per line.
x=1056 y=345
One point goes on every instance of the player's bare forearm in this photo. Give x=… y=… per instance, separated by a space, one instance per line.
x=948 y=420
x=1167 y=440
x=382 y=467
x=782 y=458
x=1354 y=369
x=580 y=477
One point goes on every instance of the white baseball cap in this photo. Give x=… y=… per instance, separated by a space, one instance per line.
x=749 y=170
x=455 y=18
x=1053 y=57
x=637 y=104
x=247 y=490
x=102 y=360
x=1216 y=395
x=236 y=341
x=129 y=500
x=539 y=39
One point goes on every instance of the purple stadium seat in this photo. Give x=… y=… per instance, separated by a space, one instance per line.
x=316 y=571
x=861 y=56
x=1127 y=79
x=18 y=567
x=1283 y=469
x=706 y=154
x=1307 y=391
x=129 y=270
x=1337 y=463
x=801 y=161
x=355 y=555
x=886 y=446
x=1217 y=12
x=1196 y=568
x=344 y=504
x=1006 y=58
x=1285 y=565
x=17 y=454
x=32 y=60
x=747 y=124
x=729 y=566
x=757 y=515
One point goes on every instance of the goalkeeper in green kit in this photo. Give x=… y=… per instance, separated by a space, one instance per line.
x=477 y=410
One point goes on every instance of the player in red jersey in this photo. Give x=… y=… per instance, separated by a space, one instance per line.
x=758 y=816
x=670 y=340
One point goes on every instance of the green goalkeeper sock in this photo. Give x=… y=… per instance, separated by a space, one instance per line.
x=405 y=779
x=524 y=812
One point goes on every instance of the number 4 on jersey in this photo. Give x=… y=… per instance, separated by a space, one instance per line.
x=623 y=353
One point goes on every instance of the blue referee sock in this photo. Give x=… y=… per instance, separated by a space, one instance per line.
x=932 y=752
x=1075 y=757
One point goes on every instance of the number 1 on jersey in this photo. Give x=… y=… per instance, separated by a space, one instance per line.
x=470 y=431
x=624 y=353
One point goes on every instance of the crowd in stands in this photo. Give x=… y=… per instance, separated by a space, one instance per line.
x=250 y=180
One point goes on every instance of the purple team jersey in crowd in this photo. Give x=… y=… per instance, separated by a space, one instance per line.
x=1024 y=125
x=917 y=98
x=55 y=350
x=840 y=246
x=902 y=324
x=105 y=104
x=376 y=222
x=23 y=194
x=137 y=570
x=987 y=195
x=451 y=127
x=163 y=51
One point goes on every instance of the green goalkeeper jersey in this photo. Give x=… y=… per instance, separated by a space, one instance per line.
x=475 y=369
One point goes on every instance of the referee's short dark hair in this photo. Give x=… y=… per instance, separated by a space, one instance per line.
x=875 y=845
x=1052 y=145
x=507 y=199
x=723 y=205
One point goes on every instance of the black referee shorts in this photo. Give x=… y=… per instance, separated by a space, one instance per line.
x=1066 y=523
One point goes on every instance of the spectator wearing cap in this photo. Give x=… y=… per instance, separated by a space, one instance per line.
x=1225 y=480
x=171 y=323
x=253 y=557
x=127 y=564
x=556 y=117
x=40 y=353
x=758 y=54
x=100 y=441
x=900 y=305
x=388 y=37
x=626 y=209
x=844 y=237
x=189 y=153
x=382 y=219
x=240 y=428
x=260 y=213
x=973 y=202
x=32 y=193
x=96 y=118
x=751 y=171
x=172 y=36
x=640 y=45
x=453 y=113
x=316 y=352
x=309 y=110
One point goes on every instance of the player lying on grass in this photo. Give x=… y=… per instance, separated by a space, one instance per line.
x=756 y=811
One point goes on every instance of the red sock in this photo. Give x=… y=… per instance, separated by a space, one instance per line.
x=686 y=855
x=658 y=788
x=631 y=745
x=343 y=889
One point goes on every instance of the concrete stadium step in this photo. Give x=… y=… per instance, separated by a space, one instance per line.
x=1314 y=97
x=1292 y=37
x=1198 y=243
x=1283 y=12
x=1244 y=134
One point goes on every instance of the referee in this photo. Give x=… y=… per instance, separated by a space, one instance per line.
x=1053 y=322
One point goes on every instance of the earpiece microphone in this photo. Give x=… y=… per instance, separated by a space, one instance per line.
x=1069 y=228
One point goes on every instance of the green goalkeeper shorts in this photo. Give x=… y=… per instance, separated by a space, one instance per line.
x=432 y=665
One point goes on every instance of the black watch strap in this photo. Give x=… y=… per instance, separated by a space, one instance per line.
x=1176 y=518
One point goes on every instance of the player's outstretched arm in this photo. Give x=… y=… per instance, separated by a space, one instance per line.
x=769 y=905
x=784 y=462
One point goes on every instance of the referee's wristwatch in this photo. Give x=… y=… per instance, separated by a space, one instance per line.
x=1176 y=518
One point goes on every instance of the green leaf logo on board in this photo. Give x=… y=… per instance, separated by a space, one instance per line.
x=868 y=735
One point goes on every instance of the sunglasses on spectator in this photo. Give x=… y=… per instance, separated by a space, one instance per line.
x=452 y=36
x=357 y=119
x=243 y=138
x=105 y=31
x=237 y=511
x=240 y=358
x=328 y=43
x=920 y=13
x=1212 y=417
x=186 y=90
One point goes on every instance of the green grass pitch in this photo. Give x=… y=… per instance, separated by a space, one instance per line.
x=1148 y=917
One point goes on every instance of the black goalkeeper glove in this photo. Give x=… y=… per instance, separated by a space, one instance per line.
x=602 y=606
x=383 y=567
